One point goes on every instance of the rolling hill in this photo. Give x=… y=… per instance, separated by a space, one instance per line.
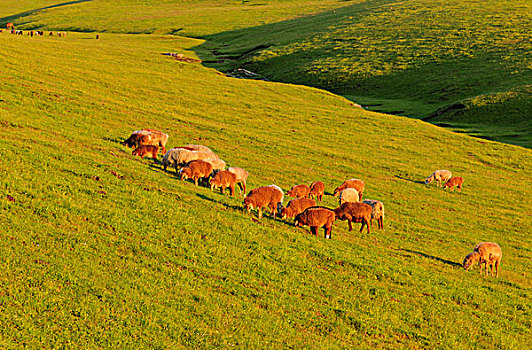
x=414 y=58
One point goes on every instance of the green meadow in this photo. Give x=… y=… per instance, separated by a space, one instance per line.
x=426 y=59
x=414 y=58
x=103 y=249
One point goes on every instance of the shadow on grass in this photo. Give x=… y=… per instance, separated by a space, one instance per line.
x=157 y=167
x=410 y=180
x=13 y=18
x=114 y=140
x=448 y=262
x=228 y=206
x=265 y=218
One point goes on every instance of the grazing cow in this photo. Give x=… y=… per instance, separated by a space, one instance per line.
x=317 y=217
x=146 y=150
x=266 y=196
x=317 y=188
x=10 y=25
x=355 y=212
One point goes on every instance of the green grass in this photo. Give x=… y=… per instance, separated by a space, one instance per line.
x=103 y=249
x=186 y=17
x=406 y=57
x=411 y=58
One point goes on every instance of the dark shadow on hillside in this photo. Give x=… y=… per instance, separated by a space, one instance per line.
x=410 y=180
x=228 y=206
x=114 y=140
x=157 y=167
x=448 y=262
x=425 y=88
x=12 y=18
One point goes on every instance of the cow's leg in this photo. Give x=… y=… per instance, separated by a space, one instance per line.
x=327 y=230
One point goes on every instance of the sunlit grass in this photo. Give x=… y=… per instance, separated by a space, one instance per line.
x=101 y=248
x=411 y=58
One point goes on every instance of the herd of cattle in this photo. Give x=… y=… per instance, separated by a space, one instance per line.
x=199 y=163
x=11 y=29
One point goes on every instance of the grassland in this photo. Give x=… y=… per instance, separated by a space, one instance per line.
x=101 y=249
x=410 y=58
x=194 y=18
x=413 y=58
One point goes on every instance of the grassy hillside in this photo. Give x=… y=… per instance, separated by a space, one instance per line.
x=415 y=58
x=404 y=57
x=186 y=17
x=102 y=249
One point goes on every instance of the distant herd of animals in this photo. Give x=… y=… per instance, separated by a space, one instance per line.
x=10 y=28
x=199 y=163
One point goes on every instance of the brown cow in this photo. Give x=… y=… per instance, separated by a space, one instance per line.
x=224 y=179
x=196 y=170
x=355 y=212
x=146 y=150
x=317 y=217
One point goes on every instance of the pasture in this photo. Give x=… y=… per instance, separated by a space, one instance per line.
x=460 y=65
x=104 y=249
x=432 y=60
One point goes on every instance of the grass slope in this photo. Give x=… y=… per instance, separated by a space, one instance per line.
x=102 y=249
x=403 y=57
x=186 y=17
x=413 y=58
